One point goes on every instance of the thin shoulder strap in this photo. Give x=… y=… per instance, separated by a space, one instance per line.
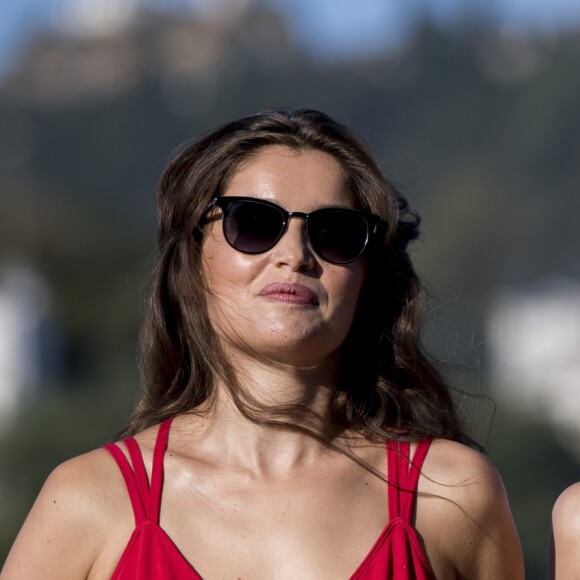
x=130 y=482
x=138 y=468
x=157 y=471
x=403 y=476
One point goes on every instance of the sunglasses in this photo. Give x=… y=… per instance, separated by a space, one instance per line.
x=254 y=226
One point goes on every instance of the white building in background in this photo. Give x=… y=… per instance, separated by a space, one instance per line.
x=24 y=308
x=534 y=338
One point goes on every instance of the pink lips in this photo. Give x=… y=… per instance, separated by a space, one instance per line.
x=290 y=293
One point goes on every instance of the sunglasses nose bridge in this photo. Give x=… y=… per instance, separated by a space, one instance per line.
x=287 y=216
x=296 y=214
x=296 y=244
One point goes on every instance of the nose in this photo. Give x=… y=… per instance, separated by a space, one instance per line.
x=293 y=249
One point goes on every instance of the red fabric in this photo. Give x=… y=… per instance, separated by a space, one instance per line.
x=397 y=554
x=150 y=553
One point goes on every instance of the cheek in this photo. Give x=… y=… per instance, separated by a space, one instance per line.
x=217 y=269
x=228 y=276
x=222 y=265
x=347 y=292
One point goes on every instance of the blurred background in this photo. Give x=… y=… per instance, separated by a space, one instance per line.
x=473 y=110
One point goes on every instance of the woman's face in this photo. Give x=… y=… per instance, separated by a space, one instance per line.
x=287 y=304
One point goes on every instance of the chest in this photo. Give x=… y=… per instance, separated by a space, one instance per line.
x=327 y=521
x=318 y=529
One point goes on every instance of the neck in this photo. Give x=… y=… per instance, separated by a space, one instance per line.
x=278 y=383
x=300 y=397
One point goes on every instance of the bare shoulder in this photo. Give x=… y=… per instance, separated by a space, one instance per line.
x=565 y=535
x=82 y=488
x=462 y=492
x=461 y=474
x=566 y=513
x=67 y=525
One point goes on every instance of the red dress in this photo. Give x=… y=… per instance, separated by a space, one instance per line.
x=150 y=553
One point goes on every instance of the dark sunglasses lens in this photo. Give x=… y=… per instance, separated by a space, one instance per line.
x=252 y=227
x=338 y=236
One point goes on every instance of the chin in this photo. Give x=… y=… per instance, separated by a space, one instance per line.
x=300 y=351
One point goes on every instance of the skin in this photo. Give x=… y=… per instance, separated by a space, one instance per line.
x=245 y=501
x=290 y=334
x=565 y=537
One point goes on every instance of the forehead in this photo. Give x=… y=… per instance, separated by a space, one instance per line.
x=310 y=178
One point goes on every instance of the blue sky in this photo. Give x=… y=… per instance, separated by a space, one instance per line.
x=326 y=27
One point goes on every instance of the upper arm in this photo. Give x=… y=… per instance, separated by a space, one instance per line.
x=480 y=539
x=565 y=537
x=62 y=534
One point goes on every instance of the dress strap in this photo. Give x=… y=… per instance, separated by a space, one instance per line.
x=138 y=468
x=157 y=471
x=130 y=482
x=145 y=499
x=403 y=476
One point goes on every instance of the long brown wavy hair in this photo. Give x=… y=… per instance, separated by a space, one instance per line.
x=388 y=386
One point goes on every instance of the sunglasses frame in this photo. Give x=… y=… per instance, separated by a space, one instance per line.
x=372 y=221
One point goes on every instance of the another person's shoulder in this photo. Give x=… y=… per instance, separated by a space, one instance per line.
x=565 y=536
x=566 y=512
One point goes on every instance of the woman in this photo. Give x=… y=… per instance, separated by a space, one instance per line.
x=281 y=351
x=565 y=537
